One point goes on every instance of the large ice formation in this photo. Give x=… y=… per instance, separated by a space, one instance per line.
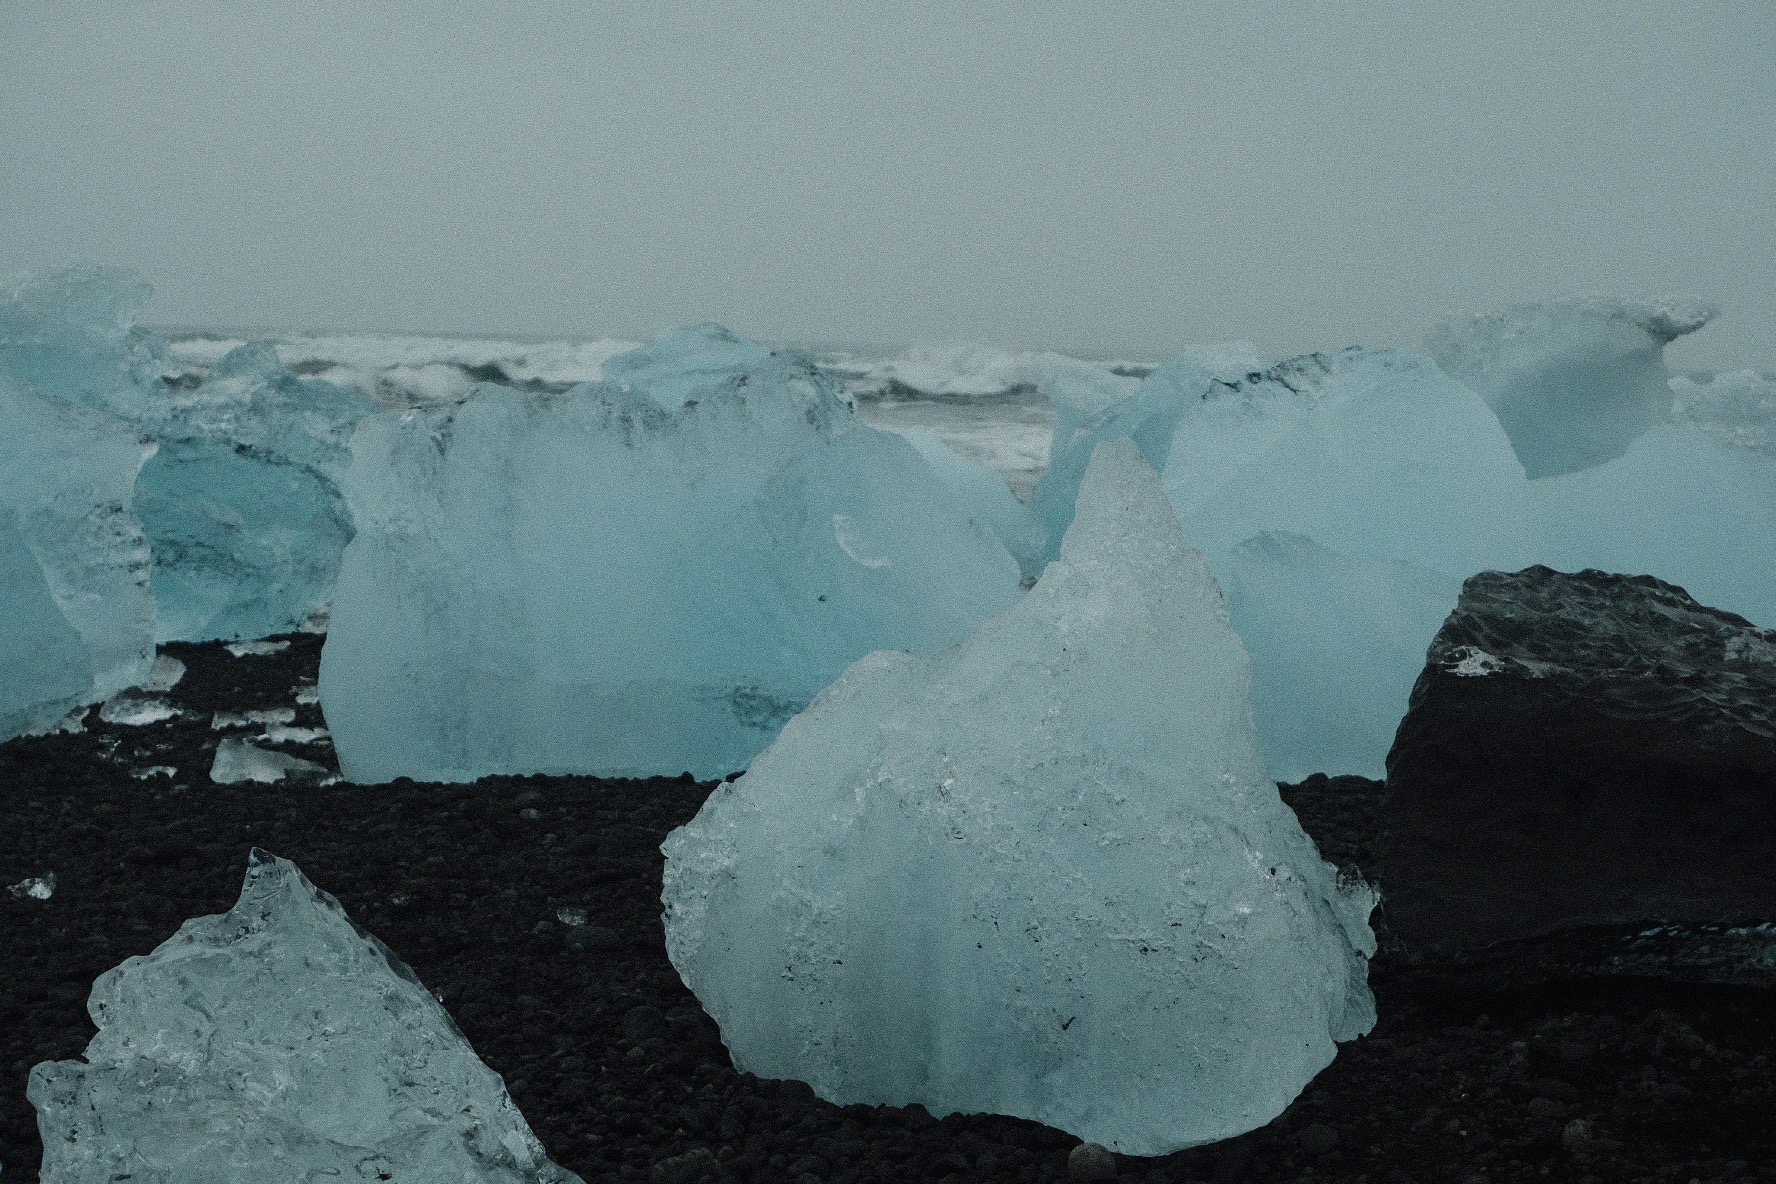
x=277 y=1041
x=1376 y=454
x=76 y=611
x=1574 y=382
x=1691 y=501
x=1336 y=644
x=1040 y=874
x=629 y=580
x=682 y=362
x=986 y=498
x=1086 y=414
x=1380 y=482
x=240 y=504
x=70 y=332
x=242 y=517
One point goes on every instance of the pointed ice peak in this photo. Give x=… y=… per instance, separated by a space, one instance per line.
x=1041 y=873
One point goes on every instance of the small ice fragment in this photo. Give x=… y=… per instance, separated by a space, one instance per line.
x=164 y=675
x=134 y=711
x=256 y=649
x=35 y=887
x=317 y=620
x=151 y=771
x=240 y=760
x=570 y=916
x=308 y=695
x=278 y=1041
x=247 y=719
x=285 y=734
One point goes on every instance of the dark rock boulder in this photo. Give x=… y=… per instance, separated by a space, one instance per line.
x=1586 y=752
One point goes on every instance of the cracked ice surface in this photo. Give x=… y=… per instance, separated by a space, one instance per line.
x=1041 y=874
x=277 y=1041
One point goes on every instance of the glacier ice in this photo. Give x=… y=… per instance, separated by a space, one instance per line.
x=1392 y=478
x=986 y=498
x=629 y=580
x=238 y=503
x=680 y=363
x=1040 y=874
x=76 y=609
x=1691 y=501
x=70 y=333
x=1148 y=413
x=1574 y=382
x=1375 y=453
x=1336 y=643
x=277 y=1041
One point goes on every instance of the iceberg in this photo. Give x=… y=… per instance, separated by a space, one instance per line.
x=1040 y=874
x=76 y=610
x=70 y=333
x=1691 y=501
x=986 y=497
x=682 y=362
x=1574 y=382
x=1336 y=644
x=277 y=1041
x=633 y=580
x=1149 y=412
x=238 y=504
x=1334 y=478
x=1374 y=453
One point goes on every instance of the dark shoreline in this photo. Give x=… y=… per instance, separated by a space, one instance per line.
x=618 y=1070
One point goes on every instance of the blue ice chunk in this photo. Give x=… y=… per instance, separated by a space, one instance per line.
x=1691 y=501
x=70 y=333
x=1374 y=453
x=1040 y=874
x=1149 y=415
x=278 y=1042
x=240 y=507
x=1388 y=475
x=47 y=669
x=615 y=581
x=241 y=504
x=986 y=497
x=1337 y=644
x=1574 y=382
x=680 y=363
x=75 y=607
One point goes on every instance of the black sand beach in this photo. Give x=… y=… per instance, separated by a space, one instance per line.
x=624 y=1078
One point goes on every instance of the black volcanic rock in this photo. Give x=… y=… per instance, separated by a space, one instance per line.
x=1586 y=750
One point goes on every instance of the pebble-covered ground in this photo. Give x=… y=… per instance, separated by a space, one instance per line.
x=478 y=888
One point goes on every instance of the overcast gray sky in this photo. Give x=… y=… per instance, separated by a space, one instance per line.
x=1120 y=176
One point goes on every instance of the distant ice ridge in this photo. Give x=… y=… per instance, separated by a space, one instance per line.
x=1342 y=498
x=76 y=610
x=962 y=371
x=238 y=503
x=406 y=370
x=277 y=1041
x=1574 y=382
x=629 y=579
x=1041 y=874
